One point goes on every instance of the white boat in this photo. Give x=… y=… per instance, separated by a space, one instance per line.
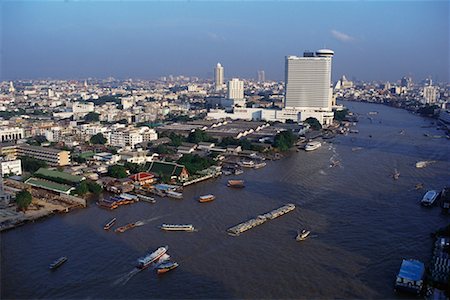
x=152 y=257
x=354 y=131
x=177 y=227
x=303 y=235
x=312 y=146
x=429 y=198
x=423 y=163
x=247 y=164
x=259 y=165
x=174 y=195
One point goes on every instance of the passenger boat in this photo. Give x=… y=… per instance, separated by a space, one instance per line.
x=429 y=198
x=177 y=227
x=109 y=224
x=166 y=267
x=236 y=183
x=174 y=195
x=206 y=198
x=312 y=146
x=303 y=235
x=410 y=276
x=57 y=263
x=145 y=261
x=247 y=164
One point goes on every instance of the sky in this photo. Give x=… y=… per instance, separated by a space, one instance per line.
x=372 y=40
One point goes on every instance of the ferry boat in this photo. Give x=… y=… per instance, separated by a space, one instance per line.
x=145 y=261
x=206 y=198
x=236 y=183
x=303 y=235
x=109 y=224
x=410 y=276
x=312 y=146
x=166 y=267
x=57 y=263
x=174 y=195
x=429 y=198
x=177 y=227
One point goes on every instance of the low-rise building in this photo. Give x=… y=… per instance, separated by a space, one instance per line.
x=169 y=169
x=11 y=167
x=54 y=157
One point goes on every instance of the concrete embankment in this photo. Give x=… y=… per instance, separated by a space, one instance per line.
x=261 y=219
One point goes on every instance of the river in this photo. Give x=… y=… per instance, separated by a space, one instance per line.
x=363 y=224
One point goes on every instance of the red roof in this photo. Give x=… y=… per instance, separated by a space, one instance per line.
x=142 y=176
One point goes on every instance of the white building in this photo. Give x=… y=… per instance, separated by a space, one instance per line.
x=235 y=92
x=11 y=167
x=218 y=77
x=123 y=137
x=82 y=108
x=430 y=94
x=11 y=134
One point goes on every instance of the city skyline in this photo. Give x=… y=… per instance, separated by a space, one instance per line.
x=372 y=41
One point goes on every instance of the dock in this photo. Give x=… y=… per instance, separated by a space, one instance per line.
x=261 y=219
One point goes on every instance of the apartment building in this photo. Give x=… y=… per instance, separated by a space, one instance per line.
x=54 y=157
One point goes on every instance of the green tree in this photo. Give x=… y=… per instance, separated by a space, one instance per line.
x=284 y=140
x=92 y=117
x=98 y=139
x=82 y=188
x=31 y=165
x=94 y=187
x=23 y=199
x=176 y=139
x=339 y=115
x=314 y=123
x=117 y=171
x=197 y=136
x=195 y=163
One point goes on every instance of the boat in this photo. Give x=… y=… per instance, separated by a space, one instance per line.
x=57 y=263
x=357 y=148
x=124 y=228
x=424 y=163
x=174 y=195
x=138 y=223
x=236 y=183
x=410 y=276
x=227 y=172
x=302 y=235
x=312 y=146
x=247 y=164
x=166 y=267
x=145 y=261
x=238 y=171
x=429 y=198
x=418 y=186
x=259 y=165
x=354 y=131
x=206 y=198
x=146 y=198
x=109 y=224
x=396 y=174
x=373 y=113
x=177 y=227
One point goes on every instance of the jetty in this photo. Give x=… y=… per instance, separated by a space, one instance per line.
x=261 y=219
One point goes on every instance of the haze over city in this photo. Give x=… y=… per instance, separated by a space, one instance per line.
x=372 y=40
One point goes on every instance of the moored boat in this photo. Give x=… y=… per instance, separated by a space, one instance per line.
x=238 y=171
x=236 y=183
x=109 y=224
x=429 y=198
x=259 y=165
x=145 y=261
x=57 y=263
x=174 y=195
x=302 y=235
x=247 y=164
x=206 y=198
x=177 y=227
x=166 y=267
x=410 y=276
x=312 y=146
x=146 y=198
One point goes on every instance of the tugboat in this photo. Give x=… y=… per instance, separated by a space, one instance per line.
x=303 y=235
x=109 y=224
x=166 y=267
x=206 y=198
x=145 y=261
x=57 y=263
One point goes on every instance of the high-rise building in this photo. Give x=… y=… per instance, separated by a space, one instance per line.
x=11 y=87
x=235 y=92
x=261 y=76
x=218 y=77
x=430 y=94
x=406 y=82
x=308 y=81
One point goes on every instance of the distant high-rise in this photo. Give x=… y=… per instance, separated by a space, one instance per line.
x=406 y=82
x=308 y=81
x=235 y=92
x=261 y=76
x=11 y=87
x=218 y=77
x=430 y=94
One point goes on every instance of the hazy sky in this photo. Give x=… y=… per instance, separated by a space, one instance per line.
x=147 y=39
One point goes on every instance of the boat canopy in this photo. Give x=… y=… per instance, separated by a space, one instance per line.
x=412 y=270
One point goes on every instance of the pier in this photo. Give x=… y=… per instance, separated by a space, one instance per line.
x=261 y=219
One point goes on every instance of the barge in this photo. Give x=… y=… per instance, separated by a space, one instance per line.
x=177 y=227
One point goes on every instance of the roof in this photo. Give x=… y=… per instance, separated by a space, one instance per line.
x=49 y=185
x=165 y=168
x=38 y=148
x=57 y=174
x=412 y=270
x=141 y=176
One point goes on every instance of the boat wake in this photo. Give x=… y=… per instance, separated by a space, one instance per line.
x=143 y=222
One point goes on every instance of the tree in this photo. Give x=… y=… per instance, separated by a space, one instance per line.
x=284 y=140
x=339 y=115
x=314 y=123
x=31 y=165
x=23 y=199
x=82 y=188
x=92 y=117
x=117 y=171
x=197 y=136
x=98 y=139
x=94 y=187
x=176 y=139
x=195 y=163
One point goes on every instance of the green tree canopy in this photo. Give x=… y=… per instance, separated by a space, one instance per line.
x=195 y=163
x=339 y=115
x=197 y=136
x=82 y=188
x=284 y=140
x=117 y=171
x=92 y=117
x=98 y=139
x=314 y=123
x=31 y=165
x=94 y=187
x=23 y=199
